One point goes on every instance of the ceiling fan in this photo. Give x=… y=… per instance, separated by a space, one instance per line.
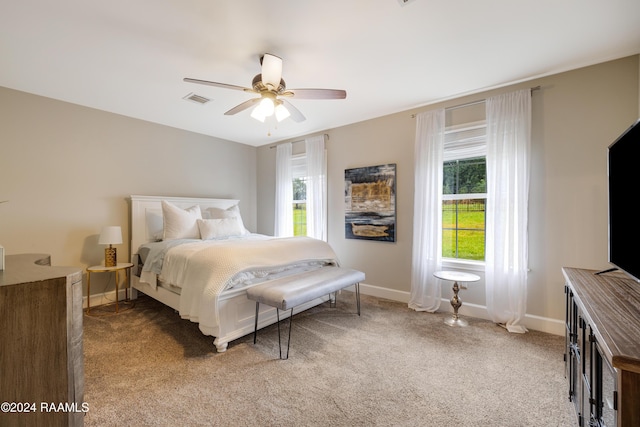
x=273 y=93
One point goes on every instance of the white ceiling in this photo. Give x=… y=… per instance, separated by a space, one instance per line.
x=130 y=56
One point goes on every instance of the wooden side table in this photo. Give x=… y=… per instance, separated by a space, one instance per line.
x=121 y=266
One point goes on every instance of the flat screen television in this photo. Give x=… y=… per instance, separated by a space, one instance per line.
x=624 y=214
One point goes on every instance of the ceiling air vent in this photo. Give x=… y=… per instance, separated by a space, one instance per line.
x=196 y=98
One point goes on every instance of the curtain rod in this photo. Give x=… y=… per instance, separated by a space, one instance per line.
x=295 y=142
x=468 y=104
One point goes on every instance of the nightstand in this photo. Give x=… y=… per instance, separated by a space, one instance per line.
x=121 y=266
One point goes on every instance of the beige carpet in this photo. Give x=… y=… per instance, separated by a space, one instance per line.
x=390 y=367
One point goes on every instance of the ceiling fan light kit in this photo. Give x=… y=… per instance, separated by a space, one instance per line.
x=281 y=112
x=271 y=87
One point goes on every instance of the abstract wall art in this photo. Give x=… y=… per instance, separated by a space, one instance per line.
x=370 y=203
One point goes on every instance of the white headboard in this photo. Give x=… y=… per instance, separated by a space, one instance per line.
x=149 y=208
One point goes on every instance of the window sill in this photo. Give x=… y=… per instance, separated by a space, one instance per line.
x=463 y=264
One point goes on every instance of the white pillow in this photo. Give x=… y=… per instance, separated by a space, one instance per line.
x=180 y=223
x=232 y=212
x=219 y=228
x=155 y=230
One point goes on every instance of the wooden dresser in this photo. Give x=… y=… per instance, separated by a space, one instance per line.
x=603 y=347
x=41 y=359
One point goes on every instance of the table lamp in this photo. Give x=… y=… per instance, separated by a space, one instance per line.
x=111 y=235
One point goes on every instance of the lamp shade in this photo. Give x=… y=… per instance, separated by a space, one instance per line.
x=266 y=106
x=257 y=114
x=281 y=112
x=111 y=235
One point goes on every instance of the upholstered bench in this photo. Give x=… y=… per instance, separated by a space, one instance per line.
x=288 y=292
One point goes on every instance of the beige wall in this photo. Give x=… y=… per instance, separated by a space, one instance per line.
x=576 y=115
x=68 y=170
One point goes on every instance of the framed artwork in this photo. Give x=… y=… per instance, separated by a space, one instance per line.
x=370 y=203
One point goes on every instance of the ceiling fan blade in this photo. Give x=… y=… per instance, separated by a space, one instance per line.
x=243 y=106
x=296 y=115
x=318 y=93
x=222 y=85
x=271 y=70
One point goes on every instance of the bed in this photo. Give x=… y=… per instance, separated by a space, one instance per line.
x=202 y=271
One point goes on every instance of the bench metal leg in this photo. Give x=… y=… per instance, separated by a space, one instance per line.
x=333 y=301
x=255 y=327
x=289 y=340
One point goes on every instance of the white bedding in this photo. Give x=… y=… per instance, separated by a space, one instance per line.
x=202 y=269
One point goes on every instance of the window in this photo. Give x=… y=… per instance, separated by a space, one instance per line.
x=464 y=193
x=299 y=175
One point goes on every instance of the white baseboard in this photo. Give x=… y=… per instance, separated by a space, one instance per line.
x=537 y=323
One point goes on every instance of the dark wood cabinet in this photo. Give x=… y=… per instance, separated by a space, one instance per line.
x=41 y=358
x=602 y=357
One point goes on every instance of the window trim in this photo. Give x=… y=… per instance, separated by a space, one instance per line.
x=466 y=196
x=463 y=264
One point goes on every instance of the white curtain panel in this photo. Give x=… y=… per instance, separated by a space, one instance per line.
x=506 y=257
x=284 y=192
x=316 y=187
x=427 y=213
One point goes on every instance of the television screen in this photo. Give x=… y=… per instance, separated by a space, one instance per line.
x=624 y=217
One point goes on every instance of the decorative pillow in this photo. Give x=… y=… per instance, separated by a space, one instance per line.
x=155 y=230
x=219 y=228
x=232 y=212
x=180 y=223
